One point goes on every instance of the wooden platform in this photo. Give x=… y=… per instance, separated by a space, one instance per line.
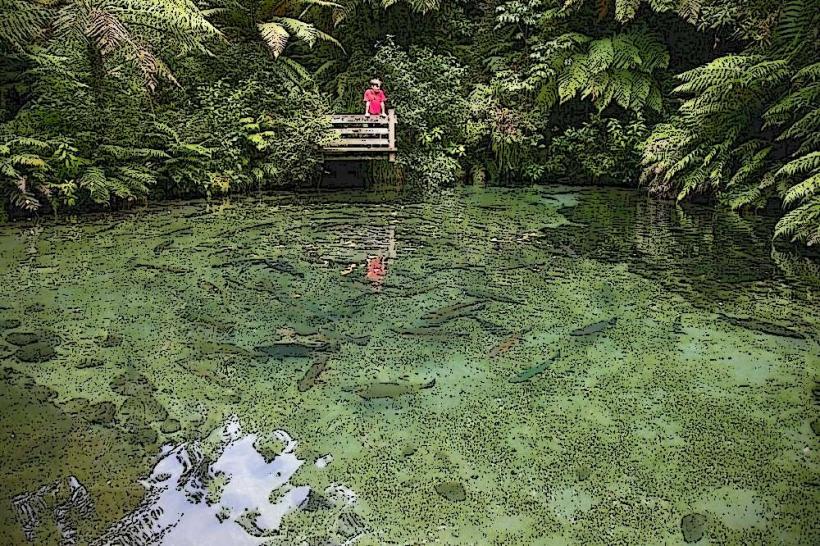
x=363 y=137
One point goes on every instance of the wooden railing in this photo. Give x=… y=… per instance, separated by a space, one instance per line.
x=363 y=137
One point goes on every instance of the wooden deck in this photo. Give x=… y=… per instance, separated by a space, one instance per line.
x=363 y=137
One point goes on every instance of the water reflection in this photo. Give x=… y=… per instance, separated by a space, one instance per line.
x=233 y=496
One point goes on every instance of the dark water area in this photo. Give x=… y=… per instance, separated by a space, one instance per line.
x=544 y=365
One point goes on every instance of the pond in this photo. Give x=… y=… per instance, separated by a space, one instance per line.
x=543 y=365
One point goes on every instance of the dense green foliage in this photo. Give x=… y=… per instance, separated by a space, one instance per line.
x=104 y=102
x=749 y=128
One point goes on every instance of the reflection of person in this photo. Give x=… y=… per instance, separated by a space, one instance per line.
x=377 y=264
x=374 y=99
x=376 y=269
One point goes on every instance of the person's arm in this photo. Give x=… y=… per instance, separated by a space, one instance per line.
x=366 y=105
x=384 y=108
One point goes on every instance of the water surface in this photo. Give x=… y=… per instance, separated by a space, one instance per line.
x=531 y=366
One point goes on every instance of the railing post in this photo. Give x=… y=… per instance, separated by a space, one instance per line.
x=391 y=120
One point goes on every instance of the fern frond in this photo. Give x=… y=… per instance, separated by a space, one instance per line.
x=805 y=189
x=804 y=127
x=625 y=10
x=125 y=153
x=20 y=22
x=93 y=180
x=808 y=73
x=601 y=54
x=750 y=166
x=804 y=164
x=796 y=29
x=792 y=102
x=275 y=37
x=801 y=224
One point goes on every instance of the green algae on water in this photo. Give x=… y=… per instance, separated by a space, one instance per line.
x=643 y=424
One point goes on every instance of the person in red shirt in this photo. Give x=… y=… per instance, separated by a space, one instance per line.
x=374 y=99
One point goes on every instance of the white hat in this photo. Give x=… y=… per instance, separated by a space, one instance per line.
x=376 y=80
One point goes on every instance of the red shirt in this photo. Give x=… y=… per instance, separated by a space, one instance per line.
x=374 y=101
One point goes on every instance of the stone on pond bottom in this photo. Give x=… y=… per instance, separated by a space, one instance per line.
x=169 y=426
x=452 y=491
x=36 y=352
x=23 y=338
x=693 y=526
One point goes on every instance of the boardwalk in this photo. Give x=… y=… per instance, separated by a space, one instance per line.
x=363 y=137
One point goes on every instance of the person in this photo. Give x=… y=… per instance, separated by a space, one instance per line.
x=374 y=99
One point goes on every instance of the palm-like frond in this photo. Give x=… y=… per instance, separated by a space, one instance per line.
x=139 y=32
x=21 y=21
x=726 y=102
x=801 y=224
x=621 y=68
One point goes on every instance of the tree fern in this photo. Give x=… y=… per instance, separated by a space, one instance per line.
x=728 y=101
x=621 y=68
x=137 y=32
x=279 y=23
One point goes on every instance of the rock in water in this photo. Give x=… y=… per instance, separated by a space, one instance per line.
x=505 y=345
x=112 y=340
x=452 y=491
x=693 y=526
x=140 y=410
x=169 y=426
x=350 y=525
x=101 y=413
x=311 y=377
x=315 y=502
x=768 y=328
